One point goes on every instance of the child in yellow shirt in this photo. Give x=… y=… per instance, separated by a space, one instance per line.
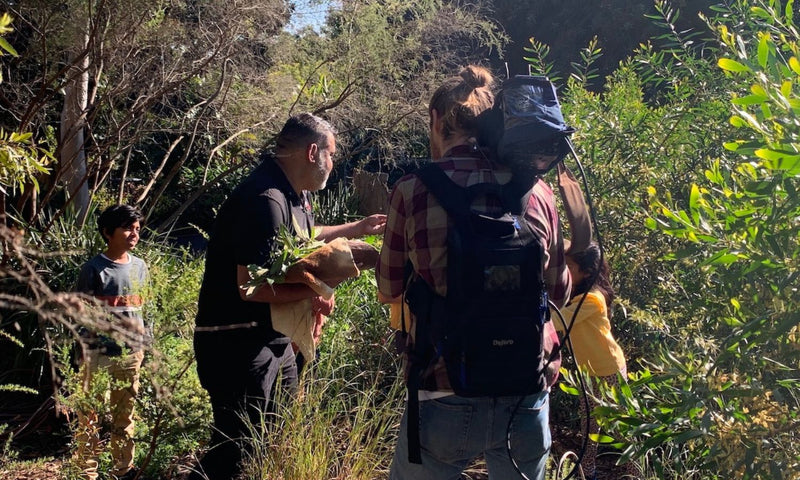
x=593 y=345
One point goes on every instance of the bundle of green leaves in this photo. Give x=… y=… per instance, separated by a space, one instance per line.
x=288 y=249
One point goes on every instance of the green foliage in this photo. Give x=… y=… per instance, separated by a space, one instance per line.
x=337 y=429
x=358 y=332
x=335 y=205
x=585 y=71
x=377 y=64
x=343 y=423
x=288 y=249
x=625 y=144
x=20 y=158
x=726 y=401
x=5 y=29
x=538 y=61
x=20 y=161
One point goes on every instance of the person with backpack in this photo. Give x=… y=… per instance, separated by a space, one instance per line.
x=593 y=346
x=438 y=257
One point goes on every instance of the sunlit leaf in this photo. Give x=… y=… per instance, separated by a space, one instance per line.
x=758 y=90
x=21 y=137
x=794 y=64
x=694 y=199
x=732 y=321
x=600 y=438
x=786 y=89
x=722 y=259
x=780 y=161
x=732 y=65
x=749 y=100
x=766 y=111
x=751 y=120
x=7 y=47
x=567 y=389
x=763 y=49
x=760 y=12
x=768 y=154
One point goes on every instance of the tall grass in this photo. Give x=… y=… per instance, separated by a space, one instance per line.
x=334 y=429
x=343 y=422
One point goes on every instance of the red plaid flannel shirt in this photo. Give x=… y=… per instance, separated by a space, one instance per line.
x=416 y=231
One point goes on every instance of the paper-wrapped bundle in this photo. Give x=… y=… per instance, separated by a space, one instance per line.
x=322 y=270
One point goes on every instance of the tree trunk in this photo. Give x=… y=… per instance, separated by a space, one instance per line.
x=73 y=121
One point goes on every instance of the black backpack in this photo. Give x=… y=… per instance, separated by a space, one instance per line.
x=489 y=327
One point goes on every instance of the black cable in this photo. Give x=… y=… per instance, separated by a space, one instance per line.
x=568 y=329
x=584 y=397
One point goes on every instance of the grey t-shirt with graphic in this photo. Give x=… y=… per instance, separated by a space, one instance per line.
x=119 y=287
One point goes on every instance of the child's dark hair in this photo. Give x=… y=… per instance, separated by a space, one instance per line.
x=117 y=216
x=589 y=262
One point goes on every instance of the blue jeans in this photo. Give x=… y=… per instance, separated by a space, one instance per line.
x=454 y=430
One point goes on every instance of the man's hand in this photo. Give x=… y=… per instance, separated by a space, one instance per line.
x=322 y=306
x=372 y=225
x=319 y=322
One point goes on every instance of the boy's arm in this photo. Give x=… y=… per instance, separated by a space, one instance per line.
x=146 y=291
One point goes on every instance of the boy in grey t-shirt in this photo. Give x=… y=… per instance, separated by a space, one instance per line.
x=117 y=279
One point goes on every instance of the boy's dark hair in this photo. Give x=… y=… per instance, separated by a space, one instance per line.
x=117 y=216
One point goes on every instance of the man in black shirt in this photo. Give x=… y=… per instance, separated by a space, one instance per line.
x=239 y=354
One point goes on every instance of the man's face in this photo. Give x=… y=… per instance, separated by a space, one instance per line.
x=323 y=164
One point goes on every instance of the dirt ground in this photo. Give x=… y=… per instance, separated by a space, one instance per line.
x=46 y=470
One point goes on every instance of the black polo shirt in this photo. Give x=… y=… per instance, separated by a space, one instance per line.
x=243 y=234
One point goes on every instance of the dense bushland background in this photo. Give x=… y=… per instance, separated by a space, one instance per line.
x=688 y=139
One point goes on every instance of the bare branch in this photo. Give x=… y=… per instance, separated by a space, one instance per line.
x=156 y=174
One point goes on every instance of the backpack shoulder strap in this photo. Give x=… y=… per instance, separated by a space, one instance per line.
x=453 y=198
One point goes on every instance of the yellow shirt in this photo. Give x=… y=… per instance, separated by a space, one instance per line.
x=395 y=320
x=593 y=345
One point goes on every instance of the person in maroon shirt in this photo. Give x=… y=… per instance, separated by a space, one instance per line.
x=453 y=429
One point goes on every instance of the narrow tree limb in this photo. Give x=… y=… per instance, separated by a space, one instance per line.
x=158 y=170
x=227 y=141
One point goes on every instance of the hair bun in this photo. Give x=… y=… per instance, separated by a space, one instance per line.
x=476 y=77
